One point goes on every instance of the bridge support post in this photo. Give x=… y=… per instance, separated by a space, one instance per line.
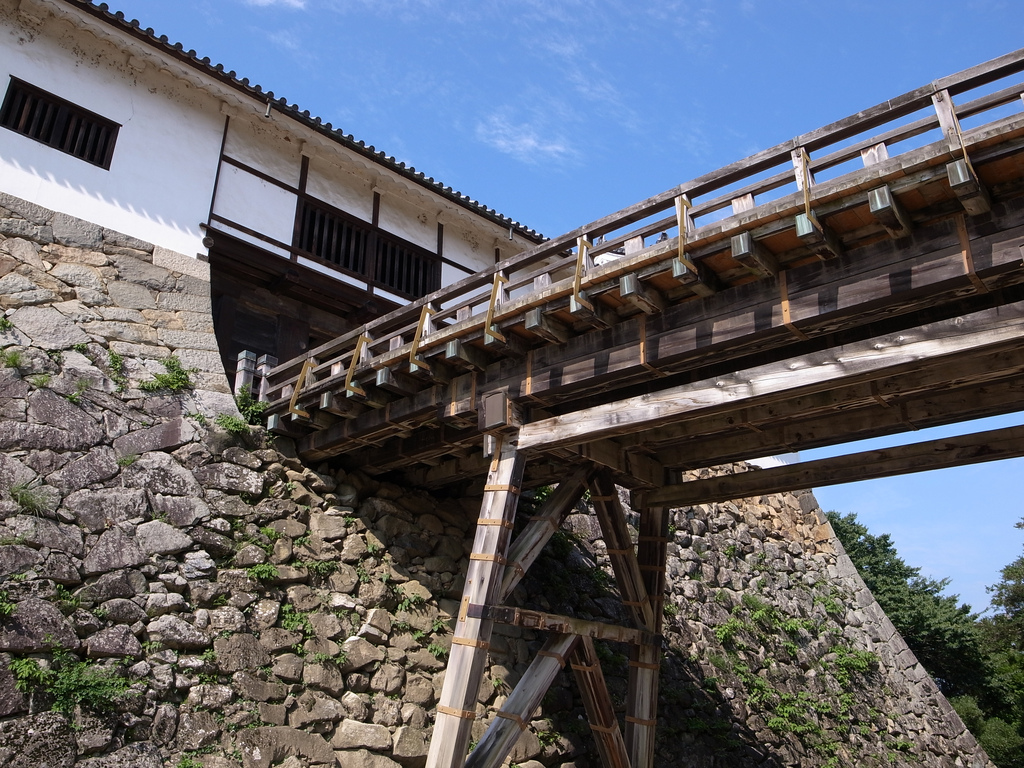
x=457 y=708
x=645 y=658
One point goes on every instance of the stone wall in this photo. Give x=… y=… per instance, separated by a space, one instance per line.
x=177 y=590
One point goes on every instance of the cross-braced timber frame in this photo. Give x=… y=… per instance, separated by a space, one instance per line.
x=863 y=279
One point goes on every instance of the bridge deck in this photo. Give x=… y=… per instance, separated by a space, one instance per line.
x=845 y=284
x=782 y=310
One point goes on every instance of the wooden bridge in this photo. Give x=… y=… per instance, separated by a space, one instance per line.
x=860 y=280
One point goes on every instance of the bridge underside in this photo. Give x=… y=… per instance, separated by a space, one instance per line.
x=884 y=300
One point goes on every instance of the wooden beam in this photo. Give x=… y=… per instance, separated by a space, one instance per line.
x=871 y=419
x=466 y=355
x=976 y=448
x=515 y=715
x=628 y=576
x=456 y=709
x=541 y=528
x=937 y=381
x=862 y=361
x=551 y=622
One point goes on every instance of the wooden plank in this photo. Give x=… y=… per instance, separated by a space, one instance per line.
x=553 y=511
x=605 y=499
x=514 y=716
x=862 y=361
x=456 y=708
x=598 y=703
x=976 y=448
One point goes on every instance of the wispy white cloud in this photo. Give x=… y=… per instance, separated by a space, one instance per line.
x=522 y=141
x=300 y=4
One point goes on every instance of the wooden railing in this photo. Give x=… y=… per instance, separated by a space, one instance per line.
x=775 y=187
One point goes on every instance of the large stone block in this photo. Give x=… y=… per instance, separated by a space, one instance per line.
x=263 y=747
x=36 y=625
x=158 y=538
x=114 y=550
x=97 y=510
x=48 y=328
x=44 y=740
x=159 y=473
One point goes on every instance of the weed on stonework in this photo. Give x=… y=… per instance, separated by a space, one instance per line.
x=30 y=499
x=71 y=683
x=250 y=408
x=232 y=424
x=11 y=358
x=176 y=378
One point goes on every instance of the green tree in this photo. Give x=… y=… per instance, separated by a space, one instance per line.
x=943 y=635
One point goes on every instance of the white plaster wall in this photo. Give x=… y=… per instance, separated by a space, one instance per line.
x=469 y=246
x=340 y=187
x=257 y=204
x=161 y=176
x=258 y=143
x=408 y=221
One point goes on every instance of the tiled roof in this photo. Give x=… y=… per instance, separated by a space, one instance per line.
x=177 y=50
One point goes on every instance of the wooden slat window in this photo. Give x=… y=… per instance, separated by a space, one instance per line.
x=333 y=239
x=397 y=266
x=405 y=270
x=57 y=123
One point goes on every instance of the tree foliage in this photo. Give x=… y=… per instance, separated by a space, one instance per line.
x=942 y=633
x=977 y=662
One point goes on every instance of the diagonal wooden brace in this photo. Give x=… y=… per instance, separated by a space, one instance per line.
x=620 y=550
x=598 y=703
x=511 y=720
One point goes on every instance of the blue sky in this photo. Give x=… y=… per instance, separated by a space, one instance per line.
x=557 y=113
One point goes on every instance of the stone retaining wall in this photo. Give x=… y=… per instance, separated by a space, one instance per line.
x=234 y=607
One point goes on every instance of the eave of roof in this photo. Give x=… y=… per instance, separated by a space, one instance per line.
x=177 y=51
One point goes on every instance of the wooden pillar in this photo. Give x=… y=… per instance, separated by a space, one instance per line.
x=645 y=658
x=513 y=718
x=597 y=702
x=457 y=708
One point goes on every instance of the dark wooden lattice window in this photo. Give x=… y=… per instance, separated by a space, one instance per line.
x=57 y=123
x=405 y=270
x=362 y=250
x=333 y=239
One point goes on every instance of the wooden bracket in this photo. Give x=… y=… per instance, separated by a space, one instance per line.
x=583 y=246
x=307 y=366
x=963 y=178
x=888 y=211
x=421 y=326
x=489 y=329
x=542 y=325
x=646 y=299
x=758 y=260
x=361 y=342
x=683 y=223
x=787 y=319
x=968 y=188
